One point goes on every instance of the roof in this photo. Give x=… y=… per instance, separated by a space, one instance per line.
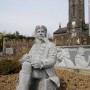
x=61 y=30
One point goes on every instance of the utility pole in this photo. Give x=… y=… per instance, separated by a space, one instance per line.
x=89 y=15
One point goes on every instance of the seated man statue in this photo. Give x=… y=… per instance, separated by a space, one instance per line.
x=38 y=64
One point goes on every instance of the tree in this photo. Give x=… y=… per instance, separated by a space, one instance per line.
x=17 y=33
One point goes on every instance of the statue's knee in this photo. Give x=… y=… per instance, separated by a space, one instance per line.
x=26 y=66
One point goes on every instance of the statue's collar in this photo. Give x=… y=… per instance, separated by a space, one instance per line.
x=45 y=40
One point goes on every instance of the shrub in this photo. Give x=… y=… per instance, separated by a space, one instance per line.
x=9 y=66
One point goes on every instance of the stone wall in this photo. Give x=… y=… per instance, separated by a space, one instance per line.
x=73 y=51
x=19 y=47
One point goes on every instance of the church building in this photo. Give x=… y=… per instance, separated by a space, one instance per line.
x=77 y=31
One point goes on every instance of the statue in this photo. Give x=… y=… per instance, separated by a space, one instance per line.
x=38 y=64
x=64 y=58
x=80 y=61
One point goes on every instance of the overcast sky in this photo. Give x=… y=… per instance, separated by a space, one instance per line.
x=24 y=15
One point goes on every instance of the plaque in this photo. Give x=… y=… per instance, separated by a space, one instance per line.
x=9 y=51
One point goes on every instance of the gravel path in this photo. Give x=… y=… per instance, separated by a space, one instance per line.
x=70 y=80
x=8 y=82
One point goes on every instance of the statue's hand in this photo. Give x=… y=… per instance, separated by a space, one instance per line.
x=37 y=64
x=25 y=58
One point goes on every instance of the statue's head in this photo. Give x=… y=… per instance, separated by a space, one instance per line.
x=80 y=51
x=64 y=53
x=40 y=32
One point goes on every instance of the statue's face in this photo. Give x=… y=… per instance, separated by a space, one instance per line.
x=80 y=51
x=40 y=34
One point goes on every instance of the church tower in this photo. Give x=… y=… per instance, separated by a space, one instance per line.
x=77 y=31
x=76 y=14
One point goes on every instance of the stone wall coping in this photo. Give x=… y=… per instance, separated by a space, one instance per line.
x=85 y=71
x=75 y=46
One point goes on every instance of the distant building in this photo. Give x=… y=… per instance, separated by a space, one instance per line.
x=76 y=32
x=1 y=42
x=89 y=15
x=1 y=35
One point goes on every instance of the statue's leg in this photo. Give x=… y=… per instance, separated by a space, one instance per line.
x=34 y=84
x=24 y=77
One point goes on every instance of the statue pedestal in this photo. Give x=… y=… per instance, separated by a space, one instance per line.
x=46 y=84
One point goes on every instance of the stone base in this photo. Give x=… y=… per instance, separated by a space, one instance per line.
x=46 y=84
x=42 y=84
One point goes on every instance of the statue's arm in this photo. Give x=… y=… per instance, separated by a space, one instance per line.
x=51 y=57
x=26 y=57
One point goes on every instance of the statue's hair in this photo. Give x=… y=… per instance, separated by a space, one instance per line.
x=41 y=27
x=80 y=49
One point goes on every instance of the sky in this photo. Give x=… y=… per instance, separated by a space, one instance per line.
x=25 y=15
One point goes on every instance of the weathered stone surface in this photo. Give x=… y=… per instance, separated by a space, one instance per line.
x=19 y=47
x=46 y=84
